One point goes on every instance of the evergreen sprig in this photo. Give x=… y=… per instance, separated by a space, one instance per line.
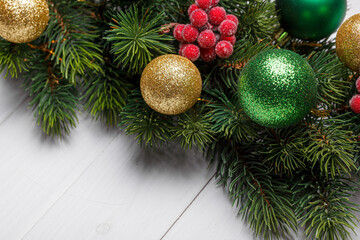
x=284 y=149
x=257 y=18
x=332 y=76
x=151 y=128
x=135 y=38
x=229 y=120
x=175 y=11
x=245 y=49
x=194 y=129
x=323 y=204
x=13 y=58
x=72 y=37
x=105 y=96
x=224 y=78
x=331 y=147
x=53 y=99
x=263 y=199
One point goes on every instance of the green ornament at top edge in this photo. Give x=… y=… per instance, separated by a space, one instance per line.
x=311 y=19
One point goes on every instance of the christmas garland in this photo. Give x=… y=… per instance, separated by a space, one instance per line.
x=271 y=103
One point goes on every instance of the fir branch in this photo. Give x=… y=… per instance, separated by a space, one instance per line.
x=264 y=200
x=245 y=49
x=332 y=75
x=225 y=78
x=72 y=38
x=332 y=147
x=13 y=58
x=307 y=47
x=284 y=149
x=193 y=128
x=53 y=99
x=226 y=75
x=323 y=206
x=105 y=96
x=228 y=119
x=175 y=11
x=353 y=121
x=151 y=128
x=135 y=38
x=350 y=122
x=258 y=18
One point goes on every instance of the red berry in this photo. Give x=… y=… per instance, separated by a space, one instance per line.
x=227 y=28
x=217 y=15
x=181 y=48
x=214 y=2
x=231 y=39
x=191 y=52
x=192 y=8
x=190 y=33
x=207 y=39
x=224 y=49
x=204 y=4
x=178 y=32
x=355 y=104
x=198 y=18
x=208 y=54
x=232 y=18
x=358 y=85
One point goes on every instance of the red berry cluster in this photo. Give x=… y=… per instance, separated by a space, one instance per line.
x=210 y=34
x=355 y=100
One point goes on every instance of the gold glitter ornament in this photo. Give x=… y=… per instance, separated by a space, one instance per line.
x=171 y=84
x=348 y=43
x=23 y=21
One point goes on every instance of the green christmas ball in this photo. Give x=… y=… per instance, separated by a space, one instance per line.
x=277 y=88
x=311 y=19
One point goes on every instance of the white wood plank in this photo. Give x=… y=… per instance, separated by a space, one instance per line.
x=128 y=193
x=35 y=170
x=210 y=217
x=11 y=96
x=353 y=8
x=356 y=199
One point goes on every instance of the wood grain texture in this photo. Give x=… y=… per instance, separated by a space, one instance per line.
x=210 y=217
x=126 y=193
x=35 y=171
x=11 y=96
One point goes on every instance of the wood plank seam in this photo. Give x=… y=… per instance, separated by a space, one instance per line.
x=67 y=189
x=11 y=113
x=188 y=206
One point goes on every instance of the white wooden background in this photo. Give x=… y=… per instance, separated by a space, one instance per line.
x=99 y=184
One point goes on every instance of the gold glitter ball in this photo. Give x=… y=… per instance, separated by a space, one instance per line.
x=348 y=43
x=23 y=21
x=171 y=84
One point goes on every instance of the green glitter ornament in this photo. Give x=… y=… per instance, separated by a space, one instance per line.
x=277 y=88
x=311 y=19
